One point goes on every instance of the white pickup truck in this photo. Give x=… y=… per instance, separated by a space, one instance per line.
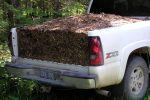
x=124 y=62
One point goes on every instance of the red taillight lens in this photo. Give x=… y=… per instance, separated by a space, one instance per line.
x=96 y=55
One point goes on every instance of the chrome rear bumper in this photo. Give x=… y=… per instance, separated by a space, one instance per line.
x=66 y=78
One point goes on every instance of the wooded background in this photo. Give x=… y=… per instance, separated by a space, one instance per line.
x=16 y=13
x=23 y=12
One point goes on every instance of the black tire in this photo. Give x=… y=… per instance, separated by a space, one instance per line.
x=136 y=78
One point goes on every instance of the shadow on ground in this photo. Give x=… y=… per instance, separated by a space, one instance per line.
x=59 y=94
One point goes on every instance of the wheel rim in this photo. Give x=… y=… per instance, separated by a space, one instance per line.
x=136 y=80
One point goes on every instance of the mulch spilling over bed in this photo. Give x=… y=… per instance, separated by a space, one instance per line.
x=64 y=40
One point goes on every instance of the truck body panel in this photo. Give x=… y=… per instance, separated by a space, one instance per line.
x=121 y=42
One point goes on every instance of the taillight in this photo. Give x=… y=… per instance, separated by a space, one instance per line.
x=96 y=53
x=10 y=43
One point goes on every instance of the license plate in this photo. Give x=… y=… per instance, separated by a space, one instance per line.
x=48 y=74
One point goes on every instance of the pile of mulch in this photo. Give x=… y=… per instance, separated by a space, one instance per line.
x=64 y=40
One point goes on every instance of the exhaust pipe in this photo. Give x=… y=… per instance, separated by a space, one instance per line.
x=104 y=92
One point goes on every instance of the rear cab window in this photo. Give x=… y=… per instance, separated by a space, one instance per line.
x=122 y=7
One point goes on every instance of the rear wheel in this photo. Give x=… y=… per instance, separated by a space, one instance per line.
x=136 y=78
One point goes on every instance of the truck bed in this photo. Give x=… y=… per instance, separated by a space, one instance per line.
x=65 y=40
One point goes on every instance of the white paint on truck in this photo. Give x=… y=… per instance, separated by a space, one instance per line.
x=123 y=39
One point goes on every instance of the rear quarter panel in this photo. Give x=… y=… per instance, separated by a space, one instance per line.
x=122 y=40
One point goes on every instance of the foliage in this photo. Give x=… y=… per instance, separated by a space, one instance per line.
x=4 y=54
x=73 y=9
x=3 y=23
